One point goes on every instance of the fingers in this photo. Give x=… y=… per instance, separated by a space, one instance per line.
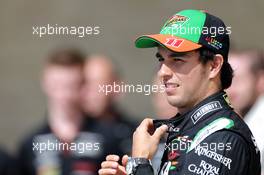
x=146 y=124
x=107 y=171
x=109 y=164
x=124 y=160
x=112 y=157
x=160 y=132
x=122 y=170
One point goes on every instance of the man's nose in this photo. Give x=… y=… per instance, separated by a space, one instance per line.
x=164 y=72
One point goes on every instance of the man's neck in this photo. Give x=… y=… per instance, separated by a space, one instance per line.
x=65 y=121
x=198 y=100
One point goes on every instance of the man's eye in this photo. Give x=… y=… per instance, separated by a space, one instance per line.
x=177 y=59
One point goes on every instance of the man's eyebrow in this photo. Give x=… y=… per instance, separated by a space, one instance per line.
x=175 y=54
x=178 y=54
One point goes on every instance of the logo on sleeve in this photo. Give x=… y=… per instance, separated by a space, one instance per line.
x=205 y=109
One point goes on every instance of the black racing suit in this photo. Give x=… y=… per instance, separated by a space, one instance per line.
x=210 y=139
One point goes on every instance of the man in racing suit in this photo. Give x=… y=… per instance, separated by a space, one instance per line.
x=207 y=137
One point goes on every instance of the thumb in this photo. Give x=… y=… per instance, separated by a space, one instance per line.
x=160 y=131
x=122 y=169
x=124 y=160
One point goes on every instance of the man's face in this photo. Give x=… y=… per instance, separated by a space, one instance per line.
x=62 y=84
x=184 y=77
x=242 y=92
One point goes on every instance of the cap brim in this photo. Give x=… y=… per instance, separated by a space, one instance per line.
x=171 y=42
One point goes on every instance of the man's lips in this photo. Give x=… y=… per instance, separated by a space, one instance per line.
x=170 y=87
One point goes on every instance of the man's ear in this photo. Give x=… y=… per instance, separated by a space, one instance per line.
x=216 y=65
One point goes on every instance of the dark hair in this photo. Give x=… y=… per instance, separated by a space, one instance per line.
x=226 y=70
x=66 y=57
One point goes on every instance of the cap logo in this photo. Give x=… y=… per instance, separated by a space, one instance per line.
x=174 y=42
x=213 y=42
x=177 y=19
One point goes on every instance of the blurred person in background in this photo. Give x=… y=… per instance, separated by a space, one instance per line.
x=100 y=72
x=66 y=143
x=165 y=111
x=247 y=91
